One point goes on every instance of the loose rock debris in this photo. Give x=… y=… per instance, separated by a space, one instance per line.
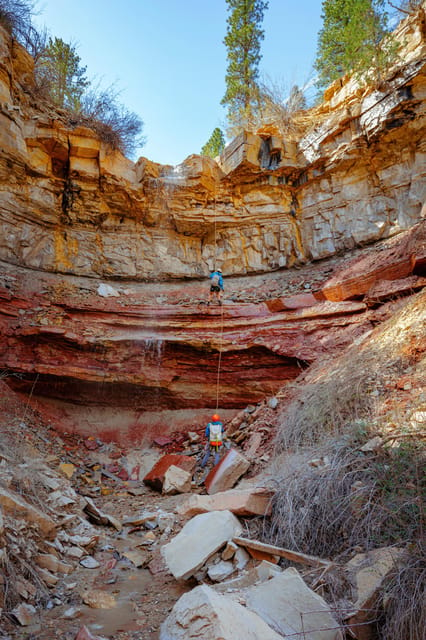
x=115 y=563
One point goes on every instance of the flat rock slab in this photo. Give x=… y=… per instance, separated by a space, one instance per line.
x=176 y=480
x=17 y=506
x=288 y=606
x=264 y=571
x=225 y=474
x=385 y=289
x=206 y=615
x=155 y=477
x=199 y=539
x=241 y=502
x=220 y=571
x=298 y=301
x=366 y=572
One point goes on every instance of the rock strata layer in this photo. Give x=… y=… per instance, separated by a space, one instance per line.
x=356 y=174
x=103 y=321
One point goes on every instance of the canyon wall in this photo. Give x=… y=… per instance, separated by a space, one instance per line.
x=292 y=223
x=70 y=204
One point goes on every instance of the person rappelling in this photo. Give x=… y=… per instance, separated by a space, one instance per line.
x=215 y=435
x=216 y=286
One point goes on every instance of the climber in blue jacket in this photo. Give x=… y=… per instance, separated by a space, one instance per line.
x=216 y=286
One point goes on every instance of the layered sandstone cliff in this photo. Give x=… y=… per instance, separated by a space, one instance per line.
x=69 y=204
x=73 y=215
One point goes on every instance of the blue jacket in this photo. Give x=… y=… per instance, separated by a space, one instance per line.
x=216 y=273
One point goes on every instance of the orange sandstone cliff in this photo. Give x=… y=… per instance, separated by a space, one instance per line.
x=291 y=222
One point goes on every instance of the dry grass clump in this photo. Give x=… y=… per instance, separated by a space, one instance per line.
x=333 y=499
x=331 y=494
x=339 y=393
x=336 y=495
x=405 y=598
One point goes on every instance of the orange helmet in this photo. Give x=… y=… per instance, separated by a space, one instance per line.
x=215 y=417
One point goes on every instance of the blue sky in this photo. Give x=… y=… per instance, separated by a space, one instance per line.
x=168 y=59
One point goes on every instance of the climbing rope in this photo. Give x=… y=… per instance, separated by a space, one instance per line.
x=221 y=314
x=220 y=359
x=215 y=233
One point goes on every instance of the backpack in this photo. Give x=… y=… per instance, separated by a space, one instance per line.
x=215 y=280
x=215 y=436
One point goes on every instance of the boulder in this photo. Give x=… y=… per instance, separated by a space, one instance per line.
x=25 y=614
x=225 y=474
x=176 y=480
x=241 y=558
x=52 y=563
x=263 y=571
x=17 y=506
x=199 y=539
x=288 y=606
x=105 y=290
x=220 y=571
x=85 y=634
x=100 y=517
x=241 y=502
x=155 y=477
x=366 y=572
x=229 y=551
x=206 y=615
x=98 y=599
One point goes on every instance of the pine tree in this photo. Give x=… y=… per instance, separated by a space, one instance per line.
x=214 y=145
x=352 y=39
x=60 y=71
x=242 y=40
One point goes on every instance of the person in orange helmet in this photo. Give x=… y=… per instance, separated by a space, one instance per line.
x=214 y=433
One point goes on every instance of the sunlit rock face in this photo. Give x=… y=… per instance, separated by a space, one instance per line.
x=74 y=213
x=69 y=204
x=155 y=358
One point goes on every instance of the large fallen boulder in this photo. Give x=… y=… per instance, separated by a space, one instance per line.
x=199 y=539
x=241 y=502
x=225 y=474
x=155 y=477
x=206 y=615
x=292 y=609
x=176 y=480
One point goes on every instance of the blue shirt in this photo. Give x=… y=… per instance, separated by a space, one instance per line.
x=216 y=273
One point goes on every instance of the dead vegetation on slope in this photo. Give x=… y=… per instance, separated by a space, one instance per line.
x=351 y=459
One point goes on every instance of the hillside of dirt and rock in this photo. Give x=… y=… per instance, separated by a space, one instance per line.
x=111 y=364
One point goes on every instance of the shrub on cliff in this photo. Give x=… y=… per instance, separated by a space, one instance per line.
x=15 y=16
x=279 y=106
x=61 y=79
x=118 y=127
